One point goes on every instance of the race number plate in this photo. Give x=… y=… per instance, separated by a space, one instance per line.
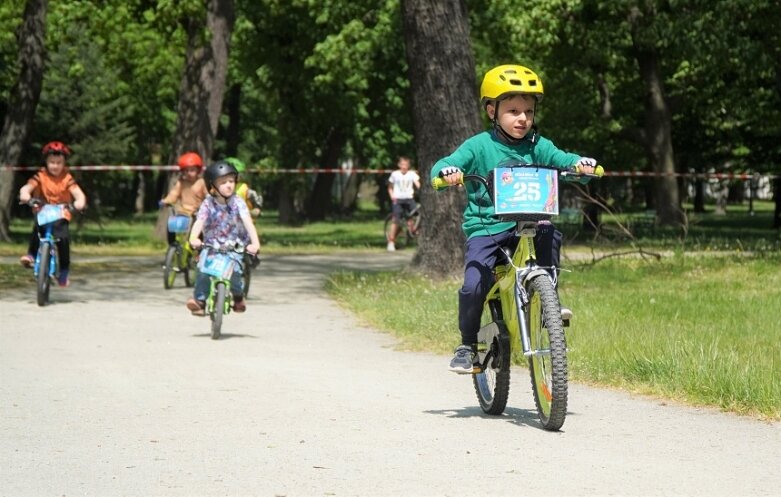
x=50 y=213
x=526 y=190
x=217 y=265
x=179 y=224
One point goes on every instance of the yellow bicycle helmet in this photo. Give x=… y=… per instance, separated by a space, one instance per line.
x=510 y=79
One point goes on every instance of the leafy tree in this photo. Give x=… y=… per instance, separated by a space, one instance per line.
x=436 y=34
x=22 y=101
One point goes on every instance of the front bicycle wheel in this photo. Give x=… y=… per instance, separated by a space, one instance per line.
x=246 y=275
x=169 y=267
x=548 y=359
x=44 y=282
x=492 y=382
x=219 y=309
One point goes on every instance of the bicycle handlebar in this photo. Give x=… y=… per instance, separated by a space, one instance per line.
x=38 y=202
x=440 y=184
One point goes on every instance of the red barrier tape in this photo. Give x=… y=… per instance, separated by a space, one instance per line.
x=623 y=174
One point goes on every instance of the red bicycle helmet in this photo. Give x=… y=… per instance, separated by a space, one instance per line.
x=190 y=159
x=55 y=148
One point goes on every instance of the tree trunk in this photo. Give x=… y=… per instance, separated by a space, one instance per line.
x=445 y=113
x=777 y=197
x=658 y=126
x=202 y=87
x=320 y=202
x=233 y=131
x=22 y=102
x=203 y=82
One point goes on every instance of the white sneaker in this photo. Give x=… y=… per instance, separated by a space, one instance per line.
x=391 y=246
x=566 y=313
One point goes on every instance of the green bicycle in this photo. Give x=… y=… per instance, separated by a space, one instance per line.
x=522 y=308
x=179 y=257
x=219 y=263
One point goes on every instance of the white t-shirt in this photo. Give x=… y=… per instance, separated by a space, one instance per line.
x=403 y=184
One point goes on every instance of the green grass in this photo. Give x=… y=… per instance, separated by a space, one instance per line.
x=136 y=236
x=699 y=330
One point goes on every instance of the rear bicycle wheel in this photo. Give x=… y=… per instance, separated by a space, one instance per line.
x=219 y=309
x=169 y=267
x=548 y=361
x=492 y=383
x=188 y=267
x=43 y=280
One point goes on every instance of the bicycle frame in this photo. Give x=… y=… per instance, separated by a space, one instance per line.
x=511 y=291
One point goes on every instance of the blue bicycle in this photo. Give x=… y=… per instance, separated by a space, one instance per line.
x=47 y=261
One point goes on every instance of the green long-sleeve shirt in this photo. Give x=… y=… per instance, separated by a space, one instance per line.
x=482 y=153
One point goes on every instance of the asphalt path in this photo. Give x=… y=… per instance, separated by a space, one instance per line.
x=115 y=390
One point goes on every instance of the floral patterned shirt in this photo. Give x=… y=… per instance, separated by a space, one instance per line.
x=222 y=223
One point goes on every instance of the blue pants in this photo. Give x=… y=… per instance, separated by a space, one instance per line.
x=481 y=255
x=202 y=283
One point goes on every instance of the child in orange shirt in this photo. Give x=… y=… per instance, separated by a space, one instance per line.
x=189 y=190
x=54 y=185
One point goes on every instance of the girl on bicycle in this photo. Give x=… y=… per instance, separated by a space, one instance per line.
x=54 y=185
x=509 y=94
x=222 y=217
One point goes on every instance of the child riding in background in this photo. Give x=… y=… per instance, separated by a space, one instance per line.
x=223 y=217
x=401 y=189
x=189 y=190
x=54 y=185
x=253 y=199
x=509 y=94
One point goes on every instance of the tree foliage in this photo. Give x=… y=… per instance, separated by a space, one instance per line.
x=312 y=83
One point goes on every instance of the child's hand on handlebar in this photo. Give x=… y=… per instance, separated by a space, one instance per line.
x=196 y=243
x=452 y=175
x=252 y=249
x=586 y=165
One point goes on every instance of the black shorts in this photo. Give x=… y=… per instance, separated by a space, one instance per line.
x=402 y=209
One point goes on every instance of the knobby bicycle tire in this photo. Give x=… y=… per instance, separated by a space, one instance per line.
x=44 y=282
x=492 y=383
x=219 y=309
x=169 y=273
x=548 y=361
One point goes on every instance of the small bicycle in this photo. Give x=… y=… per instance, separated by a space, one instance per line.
x=408 y=229
x=219 y=262
x=47 y=260
x=179 y=257
x=522 y=308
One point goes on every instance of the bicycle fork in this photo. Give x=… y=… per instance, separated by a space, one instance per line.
x=522 y=279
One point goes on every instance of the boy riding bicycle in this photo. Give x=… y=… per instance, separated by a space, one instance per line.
x=401 y=190
x=55 y=185
x=509 y=94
